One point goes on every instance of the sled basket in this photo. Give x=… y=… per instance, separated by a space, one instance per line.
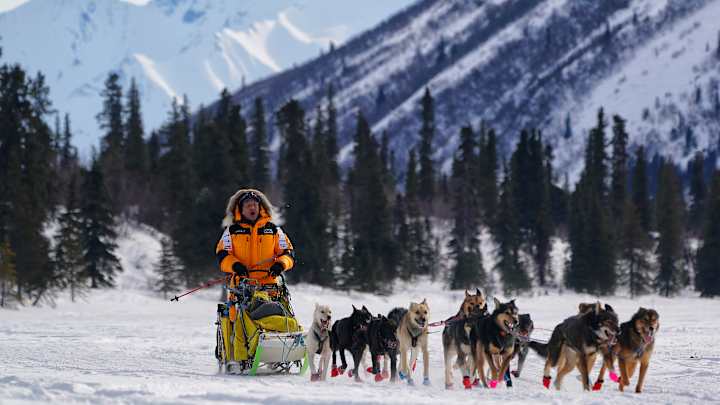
x=274 y=342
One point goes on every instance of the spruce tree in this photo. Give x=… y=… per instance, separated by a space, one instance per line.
x=112 y=150
x=7 y=273
x=592 y=261
x=619 y=180
x=698 y=192
x=259 y=147
x=232 y=126
x=167 y=269
x=101 y=264
x=633 y=250
x=373 y=258
x=464 y=246
x=427 y=133
x=640 y=197
x=488 y=177
x=707 y=280
x=305 y=220
x=135 y=150
x=26 y=177
x=670 y=213
x=411 y=178
x=136 y=155
x=507 y=236
x=68 y=258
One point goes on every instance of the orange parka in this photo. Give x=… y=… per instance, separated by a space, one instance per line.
x=256 y=246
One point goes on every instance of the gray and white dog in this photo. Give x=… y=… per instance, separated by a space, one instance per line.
x=317 y=341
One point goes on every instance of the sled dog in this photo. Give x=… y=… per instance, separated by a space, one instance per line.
x=492 y=336
x=317 y=341
x=383 y=342
x=576 y=342
x=412 y=336
x=634 y=345
x=349 y=334
x=456 y=338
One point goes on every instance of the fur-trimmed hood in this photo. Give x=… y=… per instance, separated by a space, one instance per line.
x=232 y=211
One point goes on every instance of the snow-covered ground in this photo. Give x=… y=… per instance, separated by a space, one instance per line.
x=130 y=346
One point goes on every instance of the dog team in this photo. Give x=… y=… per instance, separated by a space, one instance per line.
x=475 y=337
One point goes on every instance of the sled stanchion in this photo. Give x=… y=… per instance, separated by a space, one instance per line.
x=256 y=359
x=305 y=364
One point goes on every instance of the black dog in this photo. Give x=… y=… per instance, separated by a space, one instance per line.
x=382 y=341
x=524 y=330
x=493 y=336
x=349 y=334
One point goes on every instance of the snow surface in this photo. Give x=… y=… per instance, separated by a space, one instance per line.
x=658 y=79
x=128 y=345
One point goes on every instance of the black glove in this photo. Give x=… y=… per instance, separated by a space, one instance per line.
x=239 y=269
x=276 y=269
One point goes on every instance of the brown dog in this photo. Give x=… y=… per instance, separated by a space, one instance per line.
x=635 y=344
x=456 y=337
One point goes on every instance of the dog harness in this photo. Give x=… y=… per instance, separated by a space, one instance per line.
x=320 y=340
x=414 y=337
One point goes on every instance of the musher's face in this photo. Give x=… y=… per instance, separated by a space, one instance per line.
x=250 y=209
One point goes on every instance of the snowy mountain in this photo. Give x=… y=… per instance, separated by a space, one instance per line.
x=529 y=63
x=172 y=47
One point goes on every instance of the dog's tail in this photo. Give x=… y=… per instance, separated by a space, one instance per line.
x=540 y=348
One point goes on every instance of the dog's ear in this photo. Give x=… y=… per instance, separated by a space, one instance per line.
x=496 y=302
x=467 y=294
x=365 y=309
x=354 y=309
x=424 y=301
x=478 y=292
x=609 y=308
x=316 y=305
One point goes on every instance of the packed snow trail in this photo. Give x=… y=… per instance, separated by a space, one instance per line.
x=129 y=346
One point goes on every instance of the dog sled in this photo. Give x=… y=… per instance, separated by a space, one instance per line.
x=265 y=336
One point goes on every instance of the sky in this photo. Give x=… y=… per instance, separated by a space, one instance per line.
x=7 y=5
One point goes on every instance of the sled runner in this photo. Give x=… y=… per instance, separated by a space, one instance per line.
x=265 y=336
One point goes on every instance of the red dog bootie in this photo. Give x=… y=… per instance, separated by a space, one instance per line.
x=466 y=383
x=336 y=371
x=378 y=377
x=546 y=382
x=598 y=385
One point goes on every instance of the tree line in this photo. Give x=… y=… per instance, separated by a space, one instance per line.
x=626 y=220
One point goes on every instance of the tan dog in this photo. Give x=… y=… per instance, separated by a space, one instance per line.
x=412 y=335
x=456 y=338
x=635 y=345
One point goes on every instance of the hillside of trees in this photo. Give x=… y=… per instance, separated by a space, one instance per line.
x=629 y=220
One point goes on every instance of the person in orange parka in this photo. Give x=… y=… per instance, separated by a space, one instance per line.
x=252 y=246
